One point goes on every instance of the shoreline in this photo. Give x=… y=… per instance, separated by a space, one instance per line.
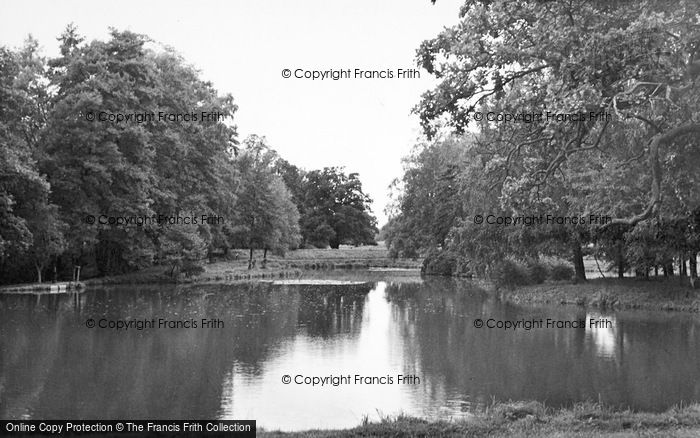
x=235 y=268
x=47 y=287
x=523 y=419
x=601 y=293
x=225 y=272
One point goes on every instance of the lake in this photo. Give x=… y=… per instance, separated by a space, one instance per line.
x=52 y=366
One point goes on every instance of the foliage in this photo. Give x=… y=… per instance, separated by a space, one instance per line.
x=132 y=169
x=561 y=271
x=31 y=231
x=537 y=271
x=399 y=240
x=508 y=273
x=633 y=165
x=182 y=249
x=61 y=165
x=428 y=200
x=441 y=263
x=269 y=218
x=335 y=210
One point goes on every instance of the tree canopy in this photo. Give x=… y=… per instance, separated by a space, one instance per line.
x=158 y=183
x=624 y=73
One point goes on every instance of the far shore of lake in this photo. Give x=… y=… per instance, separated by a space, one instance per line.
x=291 y=266
x=528 y=419
x=657 y=293
x=603 y=293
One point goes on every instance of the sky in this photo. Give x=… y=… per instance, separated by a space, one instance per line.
x=242 y=47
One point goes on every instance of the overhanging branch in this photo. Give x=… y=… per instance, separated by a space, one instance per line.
x=659 y=140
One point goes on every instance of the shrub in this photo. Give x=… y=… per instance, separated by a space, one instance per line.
x=509 y=273
x=439 y=263
x=537 y=271
x=561 y=271
x=192 y=269
x=403 y=248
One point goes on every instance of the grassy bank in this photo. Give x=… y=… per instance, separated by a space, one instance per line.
x=342 y=258
x=530 y=420
x=625 y=293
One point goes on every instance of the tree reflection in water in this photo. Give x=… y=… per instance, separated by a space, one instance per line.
x=52 y=366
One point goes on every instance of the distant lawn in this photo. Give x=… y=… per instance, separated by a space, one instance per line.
x=235 y=266
x=530 y=419
x=345 y=252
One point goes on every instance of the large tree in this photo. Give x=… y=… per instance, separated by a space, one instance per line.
x=62 y=164
x=269 y=220
x=336 y=210
x=637 y=61
x=154 y=167
x=429 y=197
x=31 y=231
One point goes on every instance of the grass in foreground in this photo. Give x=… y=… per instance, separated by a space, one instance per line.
x=530 y=419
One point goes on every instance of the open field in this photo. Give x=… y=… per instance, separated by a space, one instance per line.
x=530 y=419
x=361 y=257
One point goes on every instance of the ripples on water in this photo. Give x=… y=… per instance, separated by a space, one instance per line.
x=52 y=366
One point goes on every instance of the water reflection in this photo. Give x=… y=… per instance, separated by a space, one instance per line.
x=604 y=336
x=52 y=366
x=617 y=365
x=367 y=344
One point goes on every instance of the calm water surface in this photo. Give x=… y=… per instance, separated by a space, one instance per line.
x=53 y=366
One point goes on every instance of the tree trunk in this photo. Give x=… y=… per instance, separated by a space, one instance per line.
x=681 y=268
x=38 y=273
x=598 y=265
x=579 y=268
x=693 y=262
x=681 y=265
x=620 y=262
x=668 y=269
x=250 y=259
x=264 y=262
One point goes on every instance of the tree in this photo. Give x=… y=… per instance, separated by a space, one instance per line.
x=182 y=249
x=335 y=209
x=134 y=168
x=286 y=234
x=269 y=218
x=61 y=159
x=529 y=57
x=638 y=64
x=30 y=227
x=430 y=201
